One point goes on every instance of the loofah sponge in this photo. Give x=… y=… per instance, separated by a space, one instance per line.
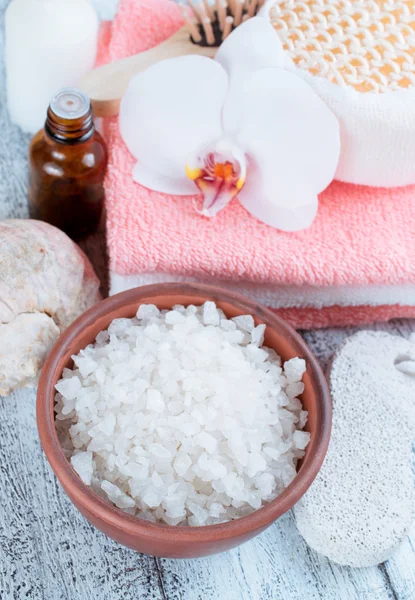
x=359 y=55
x=362 y=503
x=369 y=46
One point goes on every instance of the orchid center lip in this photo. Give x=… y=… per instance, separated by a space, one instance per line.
x=193 y=173
x=218 y=184
x=226 y=171
x=219 y=171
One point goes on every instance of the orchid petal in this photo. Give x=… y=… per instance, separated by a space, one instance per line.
x=293 y=142
x=161 y=183
x=171 y=109
x=251 y=46
x=286 y=126
x=290 y=208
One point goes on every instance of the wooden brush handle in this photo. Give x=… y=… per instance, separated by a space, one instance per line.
x=106 y=85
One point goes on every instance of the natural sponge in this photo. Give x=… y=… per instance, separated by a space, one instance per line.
x=45 y=283
x=362 y=503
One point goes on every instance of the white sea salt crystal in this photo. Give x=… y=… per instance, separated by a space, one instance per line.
x=233 y=484
x=116 y=495
x=100 y=373
x=245 y=322
x=256 y=464
x=155 y=401
x=214 y=467
x=75 y=429
x=156 y=480
x=235 y=337
x=301 y=439
x=68 y=407
x=294 y=389
x=273 y=453
x=107 y=425
x=200 y=514
x=257 y=335
x=147 y=311
x=102 y=337
x=216 y=510
x=174 y=317
x=67 y=373
x=227 y=325
x=287 y=474
x=175 y=508
x=189 y=428
x=119 y=326
x=294 y=369
x=152 y=498
x=181 y=417
x=265 y=484
x=176 y=407
x=82 y=463
x=181 y=463
x=69 y=388
x=210 y=314
x=152 y=331
x=85 y=365
x=207 y=441
x=303 y=418
x=137 y=485
x=257 y=355
x=159 y=451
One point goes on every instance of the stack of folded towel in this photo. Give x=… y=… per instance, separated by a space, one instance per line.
x=356 y=264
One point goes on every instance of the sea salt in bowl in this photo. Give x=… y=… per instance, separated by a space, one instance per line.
x=161 y=539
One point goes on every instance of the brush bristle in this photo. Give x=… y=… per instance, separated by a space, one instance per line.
x=211 y=21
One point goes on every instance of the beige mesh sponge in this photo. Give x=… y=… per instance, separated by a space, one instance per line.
x=368 y=45
x=359 y=57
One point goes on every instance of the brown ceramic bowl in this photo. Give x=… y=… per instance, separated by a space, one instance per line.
x=165 y=540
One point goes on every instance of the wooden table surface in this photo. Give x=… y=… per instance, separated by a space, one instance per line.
x=48 y=551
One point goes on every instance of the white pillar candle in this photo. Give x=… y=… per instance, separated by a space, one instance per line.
x=50 y=44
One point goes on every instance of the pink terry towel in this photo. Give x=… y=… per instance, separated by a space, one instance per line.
x=356 y=264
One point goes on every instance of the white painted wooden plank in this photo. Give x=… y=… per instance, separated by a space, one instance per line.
x=276 y=565
x=401 y=568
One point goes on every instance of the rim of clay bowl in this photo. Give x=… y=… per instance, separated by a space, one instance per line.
x=109 y=513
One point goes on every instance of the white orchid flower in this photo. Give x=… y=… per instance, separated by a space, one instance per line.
x=239 y=125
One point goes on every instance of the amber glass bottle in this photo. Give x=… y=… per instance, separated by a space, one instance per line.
x=68 y=161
